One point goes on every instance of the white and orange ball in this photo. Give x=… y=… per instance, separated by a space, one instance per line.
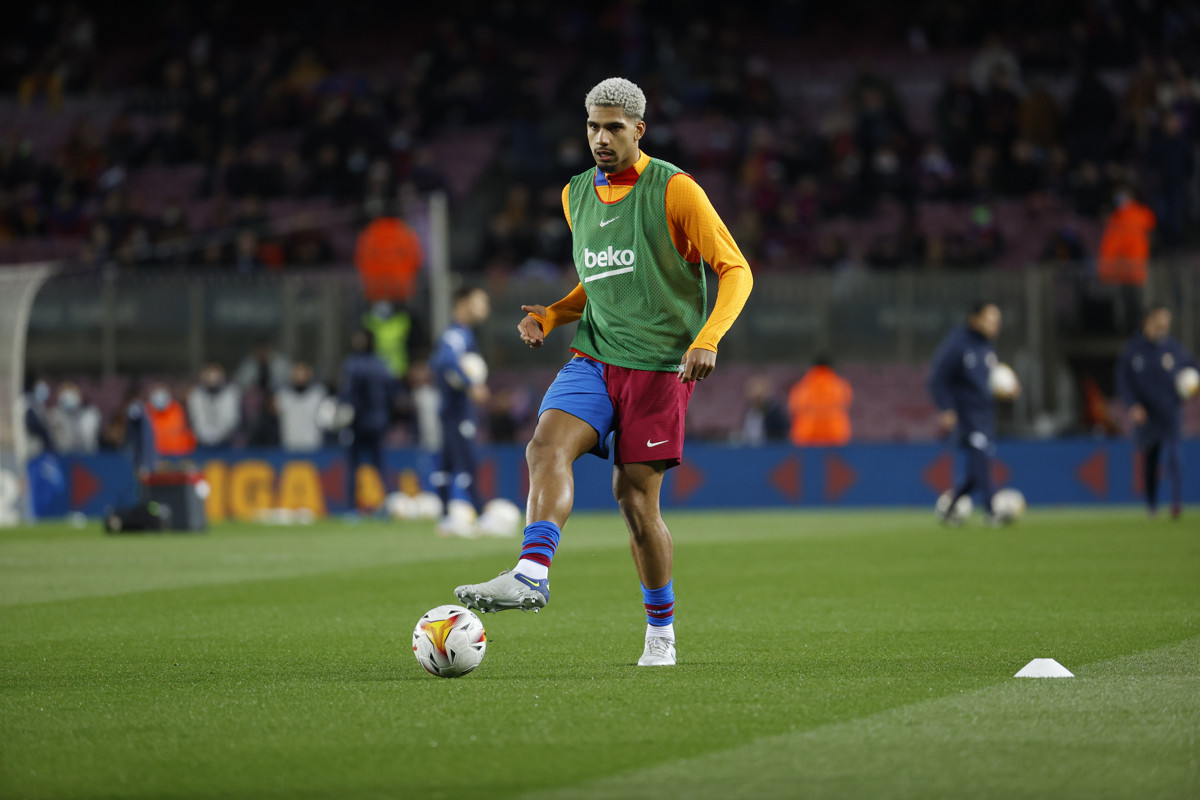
x=449 y=641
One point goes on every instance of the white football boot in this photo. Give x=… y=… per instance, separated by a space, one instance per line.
x=508 y=590
x=659 y=652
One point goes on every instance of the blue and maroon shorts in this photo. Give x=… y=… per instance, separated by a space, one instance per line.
x=638 y=411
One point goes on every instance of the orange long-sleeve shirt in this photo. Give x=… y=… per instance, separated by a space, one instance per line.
x=697 y=233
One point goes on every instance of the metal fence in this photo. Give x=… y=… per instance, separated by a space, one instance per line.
x=174 y=323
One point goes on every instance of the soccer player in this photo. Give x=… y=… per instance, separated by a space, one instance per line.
x=459 y=395
x=641 y=232
x=959 y=381
x=365 y=384
x=1146 y=373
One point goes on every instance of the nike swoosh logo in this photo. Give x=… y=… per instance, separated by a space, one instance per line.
x=604 y=222
x=527 y=581
x=656 y=444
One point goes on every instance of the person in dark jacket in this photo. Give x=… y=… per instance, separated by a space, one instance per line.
x=960 y=382
x=460 y=379
x=1146 y=382
x=365 y=386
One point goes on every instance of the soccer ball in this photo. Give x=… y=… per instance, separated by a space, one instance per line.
x=962 y=509
x=474 y=367
x=333 y=415
x=427 y=505
x=459 y=520
x=1002 y=381
x=1008 y=504
x=500 y=517
x=401 y=506
x=449 y=641
x=1187 y=382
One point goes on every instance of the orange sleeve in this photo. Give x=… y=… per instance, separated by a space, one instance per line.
x=565 y=311
x=699 y=233
x=566 y=201
x=570 y=308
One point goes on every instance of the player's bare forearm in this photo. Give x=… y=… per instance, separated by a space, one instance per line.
x=697 y=364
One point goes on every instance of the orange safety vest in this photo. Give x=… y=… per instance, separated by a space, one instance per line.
x=1125 y=245
x=172 y=434
x=819 y=405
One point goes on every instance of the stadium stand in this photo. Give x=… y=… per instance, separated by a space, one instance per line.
x=949 y=137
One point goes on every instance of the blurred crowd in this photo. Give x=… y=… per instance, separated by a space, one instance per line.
x=1054 y=108
x=267 y=400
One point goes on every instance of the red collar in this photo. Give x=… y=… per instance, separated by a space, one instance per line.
x=626 y=177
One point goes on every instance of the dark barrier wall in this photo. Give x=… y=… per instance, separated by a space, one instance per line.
x=244 y=483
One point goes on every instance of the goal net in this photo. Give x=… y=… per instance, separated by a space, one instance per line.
x=18 y=286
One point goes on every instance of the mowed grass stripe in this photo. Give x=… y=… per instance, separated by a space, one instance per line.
x=50 y=562
x=304 y=686
x=1126 y=727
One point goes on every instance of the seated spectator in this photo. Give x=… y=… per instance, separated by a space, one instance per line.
x=67 y=218
x=984 y=239
x=307 y=245
x=247 y=256
x=37 y=428
x=1022 y=176
x=1063 y=247
x=765 y=418
x=74 y=423
x=831 y=252
x=170 y=144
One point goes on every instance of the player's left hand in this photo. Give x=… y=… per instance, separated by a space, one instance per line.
x=696 y=364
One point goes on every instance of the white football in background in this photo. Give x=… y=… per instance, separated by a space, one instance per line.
x=1002 y=381
x=1187 y=382
x=1008 y=504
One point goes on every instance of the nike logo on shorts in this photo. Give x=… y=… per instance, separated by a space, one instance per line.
x=604 y=222
x=656 y=444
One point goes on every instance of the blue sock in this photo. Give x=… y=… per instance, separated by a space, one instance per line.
x=537 y=549
x=660 y=605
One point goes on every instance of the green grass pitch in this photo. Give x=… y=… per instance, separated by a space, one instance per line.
x=842 y=655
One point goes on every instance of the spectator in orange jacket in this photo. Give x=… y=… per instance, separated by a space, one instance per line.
x=1125 y=255
x=1125 y=245
x=819 y=405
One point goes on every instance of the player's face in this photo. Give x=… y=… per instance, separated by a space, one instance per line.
x=480 y=307
x=613 y=138
x=1158 y=325
x=987 y=321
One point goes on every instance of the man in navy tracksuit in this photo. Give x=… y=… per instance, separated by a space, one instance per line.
x=959 y=383
x=460 y=394
x=366 y=385
x=1146 y=378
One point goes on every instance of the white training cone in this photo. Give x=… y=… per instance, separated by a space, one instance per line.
x=1044 y=668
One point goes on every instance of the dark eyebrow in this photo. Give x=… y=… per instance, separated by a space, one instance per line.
x=615 y=124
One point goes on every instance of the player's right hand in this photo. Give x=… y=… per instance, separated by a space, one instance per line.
x=530 y=329
x=947 y=420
